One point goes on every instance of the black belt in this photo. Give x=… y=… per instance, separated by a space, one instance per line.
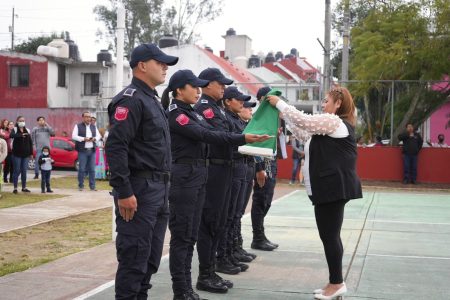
x=154 y=175
x=241 y=160
x=192 y=161
x=216 y=161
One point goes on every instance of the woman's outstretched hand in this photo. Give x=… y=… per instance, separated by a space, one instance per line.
x=253 y=138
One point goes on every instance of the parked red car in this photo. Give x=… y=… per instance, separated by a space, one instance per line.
x=62 y=150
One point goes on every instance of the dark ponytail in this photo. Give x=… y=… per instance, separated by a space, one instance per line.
x=165 y=99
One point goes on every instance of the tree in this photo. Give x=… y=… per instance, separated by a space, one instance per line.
x=188 y=14
x=404 y=41
x=143 y=21
x=30 y=46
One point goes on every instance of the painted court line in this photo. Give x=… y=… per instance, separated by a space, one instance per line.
x=410 y=256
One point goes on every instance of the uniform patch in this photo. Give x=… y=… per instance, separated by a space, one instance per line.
x=208 y=113
x=129 y=92
x=203 y=101
x=182 y=119
x=199 y=117
x=172 y=107
x=121 y=113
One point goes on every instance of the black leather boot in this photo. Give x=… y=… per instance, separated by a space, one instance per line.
x=259 y=243
x=225 y=282
x=240 y=255
x=209 y=283
x=237 y=263
x=269 y=242
x=223 y=265
x=185 y=296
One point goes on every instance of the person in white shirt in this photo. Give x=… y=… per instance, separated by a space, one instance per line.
x=329 y=172
x=85 y=136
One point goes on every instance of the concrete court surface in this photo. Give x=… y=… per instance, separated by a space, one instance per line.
x=397 y=246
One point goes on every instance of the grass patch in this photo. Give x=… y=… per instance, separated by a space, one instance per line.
x=10 y=200
x=32 y=246
x=70 y=182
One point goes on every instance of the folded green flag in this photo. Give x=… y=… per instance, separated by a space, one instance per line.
x=264 y=121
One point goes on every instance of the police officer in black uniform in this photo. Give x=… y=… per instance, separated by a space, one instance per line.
x=263 y=190
x=139 y=157
x=233 y=101
x=218 y=186
x=189 y=133
x=239 y=252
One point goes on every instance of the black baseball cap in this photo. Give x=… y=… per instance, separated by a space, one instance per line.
x=182 y=77
x=262 y=92
x=214 y=74
x=145 y=52
x=249 y=104
x=233 y=92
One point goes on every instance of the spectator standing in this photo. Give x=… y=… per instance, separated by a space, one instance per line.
x=22 y=151
x=45 y=162
x=412 y=143
x=5 y=132
x=298 y=154
x=3 y=154
x=85 y=136
x=41 y=137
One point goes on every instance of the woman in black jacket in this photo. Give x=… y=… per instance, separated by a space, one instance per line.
x=22 y=151
x=329 y=172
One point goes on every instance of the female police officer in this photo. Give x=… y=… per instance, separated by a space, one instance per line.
x=189 y=133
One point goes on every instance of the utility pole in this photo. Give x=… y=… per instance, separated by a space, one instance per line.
x=11 y=29
x=326 y=60
x=345 y=40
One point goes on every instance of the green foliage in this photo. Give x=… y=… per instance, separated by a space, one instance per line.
x=30 y=46
x=397 y=40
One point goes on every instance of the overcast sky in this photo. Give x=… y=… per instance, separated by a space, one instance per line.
x=272 y=25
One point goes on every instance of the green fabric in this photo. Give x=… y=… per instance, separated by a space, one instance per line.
x=265 y=121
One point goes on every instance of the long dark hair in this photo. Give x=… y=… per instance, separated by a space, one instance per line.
x=165 y=99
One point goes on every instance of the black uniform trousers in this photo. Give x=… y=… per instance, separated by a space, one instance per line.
x=214 y=215
x=262 y=199
x=186 y=200
x=140 y=241
x=236 y=201
x=249 y=180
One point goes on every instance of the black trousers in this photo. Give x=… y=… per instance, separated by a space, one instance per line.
x=139 y=242
x=214 y=215
x=186 y=200
x=9 y=168
x=329 y=218
x=262 y=199
x=248 y=191
x=45 y=179
x=236 y=201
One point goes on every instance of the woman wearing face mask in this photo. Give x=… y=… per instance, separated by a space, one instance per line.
x=329 y=172
x=189 y=134
x=22 y=151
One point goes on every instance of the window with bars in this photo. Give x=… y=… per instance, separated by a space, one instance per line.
x=19 y=75
x=61 y=75
x=91 y=84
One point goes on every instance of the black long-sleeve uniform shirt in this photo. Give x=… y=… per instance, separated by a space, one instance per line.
x=190 y=132
x=216 y=117
x=139 y=137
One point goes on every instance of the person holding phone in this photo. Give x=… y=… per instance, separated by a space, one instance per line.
x=22 y=151
x=85 y=136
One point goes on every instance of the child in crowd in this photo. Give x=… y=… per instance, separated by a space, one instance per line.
x=45 y=162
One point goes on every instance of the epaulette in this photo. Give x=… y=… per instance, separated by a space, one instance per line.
x=129 y=92
x=204 y=101
x=172 y=107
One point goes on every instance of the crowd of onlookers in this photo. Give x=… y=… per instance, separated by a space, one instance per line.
x=19 y=144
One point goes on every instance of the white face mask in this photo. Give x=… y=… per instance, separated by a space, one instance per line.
x=45 y=153
x=21 y=124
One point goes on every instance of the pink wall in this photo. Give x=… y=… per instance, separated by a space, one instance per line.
x=440 y=123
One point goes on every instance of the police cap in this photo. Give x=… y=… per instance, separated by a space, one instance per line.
x=182 y=77
x=233 y=92
x=145 y=52
x=262 y=92
x=214 y=74
x=249 y=104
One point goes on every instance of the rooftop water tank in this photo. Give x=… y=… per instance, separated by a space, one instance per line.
x=168 y=40
x=279 y=56
x=294 y=52
x=254 y=61
x=104 y=56
x=269 y=58
x=73 y=50
x=47 y=51
x=62 y=46
x=231 y=31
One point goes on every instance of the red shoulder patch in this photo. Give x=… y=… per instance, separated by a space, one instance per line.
x=208 y=113
x=121 y=113
x=182 y=119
